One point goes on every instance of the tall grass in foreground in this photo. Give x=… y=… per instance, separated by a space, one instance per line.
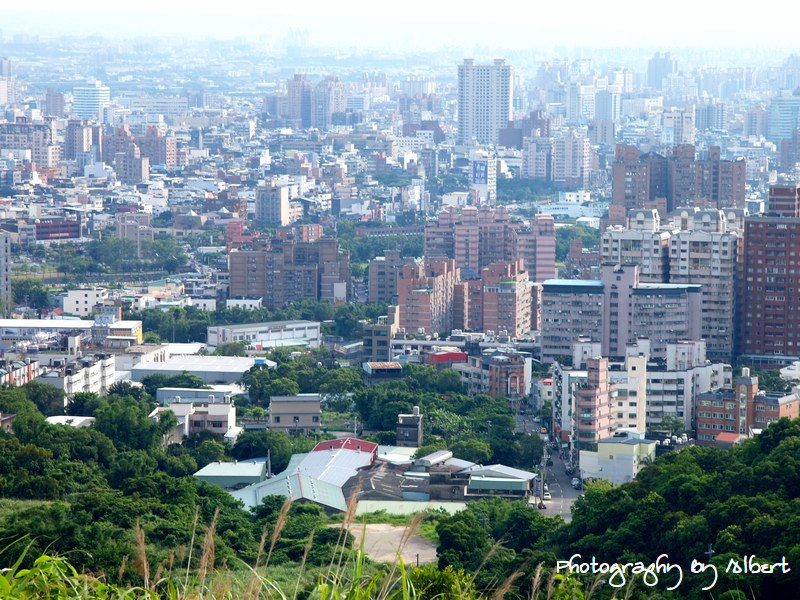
x=349 y=576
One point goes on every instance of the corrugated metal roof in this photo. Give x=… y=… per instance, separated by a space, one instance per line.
x=231 y=469
x=500 y=471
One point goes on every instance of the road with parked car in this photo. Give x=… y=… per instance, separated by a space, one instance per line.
x=560 y=489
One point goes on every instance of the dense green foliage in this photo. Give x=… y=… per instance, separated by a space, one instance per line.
x=565 y=235
x=743 y=501
x=480 y=427
x=515 y=191
x=29 y=292
x=190 y=324
x=106 y=479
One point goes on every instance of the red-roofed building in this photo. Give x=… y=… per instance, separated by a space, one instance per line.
x=349 y=444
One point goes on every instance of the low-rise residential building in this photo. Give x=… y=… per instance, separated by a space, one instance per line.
x=295 y=414
x=81 y=302
x=378 y=337
x=618 y=459
x=95 y=374
x=409 y=429
x=727 y=415
x=16 y=373
x=198 y=416
x=500 y=373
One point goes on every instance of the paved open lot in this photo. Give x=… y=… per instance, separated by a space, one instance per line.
x=382 y=540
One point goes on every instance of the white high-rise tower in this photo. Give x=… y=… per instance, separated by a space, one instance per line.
x=485 y=93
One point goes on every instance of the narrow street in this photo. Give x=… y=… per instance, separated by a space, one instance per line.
x=561 y=490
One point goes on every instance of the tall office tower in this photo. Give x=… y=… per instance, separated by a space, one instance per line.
x=88 y=101
x=328 y=99
x=483 y=177
x=5 y=67
x=299 y=98
x=485 y=94
x=643 y=242
x=783 y=116
x=769 y=305
x=425 y=293
x=272 y=206
x=705 y=252
x=6 y=299
x=677 y=127
x=658 y=68
x=53 y=103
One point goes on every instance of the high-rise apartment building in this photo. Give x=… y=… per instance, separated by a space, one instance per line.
x=425 y=293
x=706 y=253
x=615 y=311
x=769 y=312
x=499 y=301
x=272 y=206
x=677 y=127
x=675 y=181
x=485 y=94
x=382 y=275
x=158 y=148
x=88 y=101
x=328 y=99
x=287 y=270
x=595 y=406
x=54 y=103
x=77 y=138
x=299 y=101
x=643 y=242
x=39 y=138
x=478 y=236
x=573 y=158
x=6 y=299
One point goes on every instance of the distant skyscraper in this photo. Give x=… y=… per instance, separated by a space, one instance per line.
x=485 y=93
x=659 y=67
x=90 y=100
x=5 y=68
x=299 y=100
x=328 y=98
x=783 y=117
x=54 y=103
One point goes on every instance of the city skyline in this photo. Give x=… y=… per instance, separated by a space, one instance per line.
x=428 y=25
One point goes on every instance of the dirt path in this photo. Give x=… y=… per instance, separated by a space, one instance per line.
x=382 y=541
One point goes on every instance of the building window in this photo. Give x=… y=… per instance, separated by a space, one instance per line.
x=277 y=419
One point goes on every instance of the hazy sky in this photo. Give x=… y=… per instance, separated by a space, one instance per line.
x=513 y=23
